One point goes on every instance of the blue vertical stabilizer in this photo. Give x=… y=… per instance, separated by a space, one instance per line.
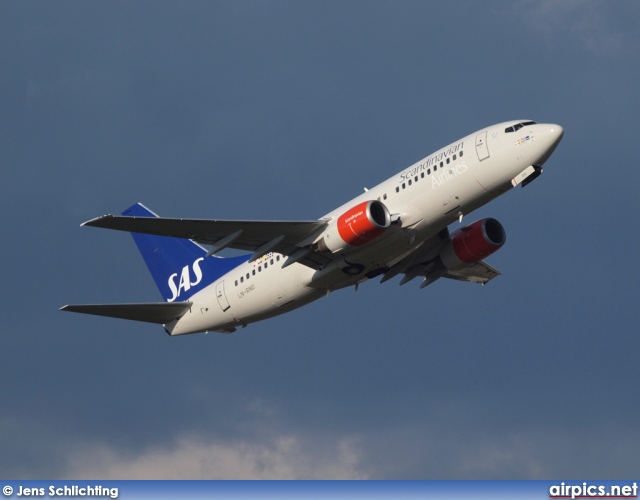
x=179 y=266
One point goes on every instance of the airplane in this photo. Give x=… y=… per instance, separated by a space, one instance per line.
x=398 y=227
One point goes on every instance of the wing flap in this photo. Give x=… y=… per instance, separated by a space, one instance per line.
x=480 y=272
x=151 y=312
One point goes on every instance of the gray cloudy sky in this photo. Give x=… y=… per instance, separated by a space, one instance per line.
x=284 y=110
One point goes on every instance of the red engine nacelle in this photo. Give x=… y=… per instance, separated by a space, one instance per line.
x=472 y=243
x=356 y=227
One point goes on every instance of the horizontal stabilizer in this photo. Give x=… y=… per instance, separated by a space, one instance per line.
x=150 y=312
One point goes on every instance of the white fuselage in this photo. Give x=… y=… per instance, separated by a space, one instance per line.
x=427 y=197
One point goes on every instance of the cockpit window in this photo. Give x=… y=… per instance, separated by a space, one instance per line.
x=518 y=126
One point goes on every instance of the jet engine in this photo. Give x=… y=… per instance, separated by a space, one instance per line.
x=356 y=227
x=472 y=243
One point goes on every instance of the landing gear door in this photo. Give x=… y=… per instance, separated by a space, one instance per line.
x=481 y=146
x=222 y=298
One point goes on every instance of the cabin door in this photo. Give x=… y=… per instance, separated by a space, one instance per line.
x=222 y=298
x=481 y=146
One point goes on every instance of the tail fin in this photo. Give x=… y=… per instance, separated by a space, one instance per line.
x=179 y=266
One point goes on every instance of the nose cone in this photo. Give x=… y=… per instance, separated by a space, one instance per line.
x=548 y=137
x=556 y=132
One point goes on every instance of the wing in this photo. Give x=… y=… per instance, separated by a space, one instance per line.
x=154 y=312
x=286 y=237
x=424 y=262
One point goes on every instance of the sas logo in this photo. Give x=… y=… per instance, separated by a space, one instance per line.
x=185 y=282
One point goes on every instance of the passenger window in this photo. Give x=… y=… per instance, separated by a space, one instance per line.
x=454 y=157
x=397 y=189
x=409 y=182
x=461 y=152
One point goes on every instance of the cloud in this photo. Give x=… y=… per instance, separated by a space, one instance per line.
x=284 y=457
x=589 y=23
x=446 y=445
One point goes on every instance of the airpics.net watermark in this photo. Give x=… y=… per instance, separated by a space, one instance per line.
x=586 y=490
x=61 y=491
